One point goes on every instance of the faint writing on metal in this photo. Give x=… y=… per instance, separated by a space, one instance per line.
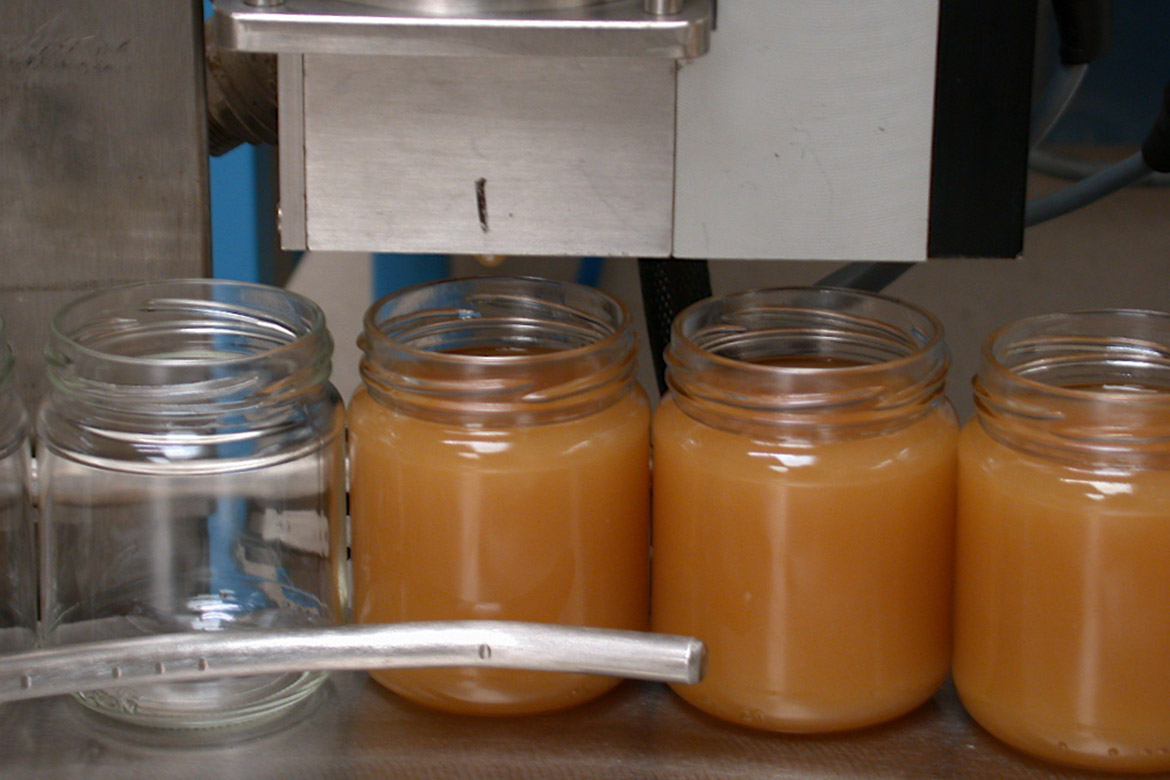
x=87 y=54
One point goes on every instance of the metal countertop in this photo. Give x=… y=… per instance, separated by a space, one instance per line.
x=354 y=730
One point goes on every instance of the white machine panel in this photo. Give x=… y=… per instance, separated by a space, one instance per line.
x=805 y=132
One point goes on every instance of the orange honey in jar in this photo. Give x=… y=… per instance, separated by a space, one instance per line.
x=500 y=471
x=804 y=506
x=1063 y=550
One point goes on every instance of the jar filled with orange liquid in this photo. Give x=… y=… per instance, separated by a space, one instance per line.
x=1063 y=567
x=804 y=506
x=499 y=471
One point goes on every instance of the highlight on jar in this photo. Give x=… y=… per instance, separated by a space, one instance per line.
x=500 y=470
x=191 y=479
x=804 y=478
x=1062 y=606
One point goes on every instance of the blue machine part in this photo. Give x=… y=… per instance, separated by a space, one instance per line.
x=237 y=246
x=390 y=272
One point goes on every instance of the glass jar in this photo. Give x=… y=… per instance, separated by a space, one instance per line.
x=804 y=506
x=1062 y=645
x=18 y=593
x=191 y=472
x=499 y=471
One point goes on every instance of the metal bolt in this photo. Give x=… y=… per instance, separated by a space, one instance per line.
x=662 y=7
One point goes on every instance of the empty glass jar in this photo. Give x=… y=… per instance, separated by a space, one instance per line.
x=17 y=561
x=191 y=472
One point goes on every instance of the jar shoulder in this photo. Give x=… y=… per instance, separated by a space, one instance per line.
x=377 y=428
x=987 y=465
x=234 y=439
x=928 y=441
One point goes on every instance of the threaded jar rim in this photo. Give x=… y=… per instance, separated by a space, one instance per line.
x=513 y=350
x=735 y=360
x=183 y=343
x=1053 y=329
x=1089 y=384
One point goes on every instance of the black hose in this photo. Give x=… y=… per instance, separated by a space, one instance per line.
x=1085 y=29
x=668 y=287
x=868 y=276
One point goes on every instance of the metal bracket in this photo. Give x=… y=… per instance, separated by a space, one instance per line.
x=619 y=28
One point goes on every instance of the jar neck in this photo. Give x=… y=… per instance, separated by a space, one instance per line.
x=187 y=350
x=498 y=351
x=807 y=364
x=1087 y=387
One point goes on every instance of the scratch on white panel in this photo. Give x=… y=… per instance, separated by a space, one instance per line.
x=824 y=175
x=808 y=150
x=602 y=197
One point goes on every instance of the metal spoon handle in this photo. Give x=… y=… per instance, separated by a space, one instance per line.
x=497 y=644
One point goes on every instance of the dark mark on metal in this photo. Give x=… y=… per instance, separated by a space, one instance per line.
x=481 y=203
x=66 y=286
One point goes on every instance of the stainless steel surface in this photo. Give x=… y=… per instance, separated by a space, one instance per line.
x=290 y=212
x=620 y=28
x=524 y=155
x=663 y=7
x=639 y=732
x=475 y=7
x=495 y=644
x=103 y=162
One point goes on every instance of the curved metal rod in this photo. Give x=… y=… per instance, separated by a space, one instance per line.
x=203 y=655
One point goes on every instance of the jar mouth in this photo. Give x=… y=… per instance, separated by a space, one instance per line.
x=1086 y=386
x=185 y=321
x=1105 y=354
x=506 y=349
x=186 y=342
x=803 y=330
x=806 y=357
x=493 y=320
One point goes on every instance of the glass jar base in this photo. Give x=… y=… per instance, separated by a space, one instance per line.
x=1064 y=744
x=795 y=719
x=493 y=691
x=226 y=702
